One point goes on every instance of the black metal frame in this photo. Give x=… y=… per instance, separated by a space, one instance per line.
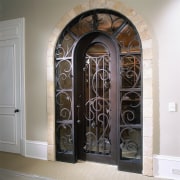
x=129 y=85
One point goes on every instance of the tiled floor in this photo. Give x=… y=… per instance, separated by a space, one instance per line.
x=16 y=167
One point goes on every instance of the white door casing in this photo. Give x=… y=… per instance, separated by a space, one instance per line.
x=12 y=91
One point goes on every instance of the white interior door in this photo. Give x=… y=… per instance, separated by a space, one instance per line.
x=10 y=87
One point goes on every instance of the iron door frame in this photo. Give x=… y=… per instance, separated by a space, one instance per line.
x=79 y=53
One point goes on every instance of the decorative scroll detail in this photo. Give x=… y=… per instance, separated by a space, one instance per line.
x=64 y=74
x=100 y=77
x=113 y=24
x=130 y=111
x=130 y=143
x=64 y=47
x=98 y=21
x=97 y=105
x=64 y=102
x=130 y=71
x=97 y=125
x=65 y=138
x=128 y=40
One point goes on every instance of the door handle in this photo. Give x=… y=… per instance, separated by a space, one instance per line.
x=16 y=110
x=78 y=119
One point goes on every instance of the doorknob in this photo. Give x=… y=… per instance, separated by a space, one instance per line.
x=78 y=121
x=16 y=110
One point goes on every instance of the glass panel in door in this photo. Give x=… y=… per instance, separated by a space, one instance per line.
x=96 y=100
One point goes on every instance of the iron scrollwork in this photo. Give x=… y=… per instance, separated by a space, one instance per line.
x=64 y=91
x=97 y=104
x=64 y=138
x=130 y=113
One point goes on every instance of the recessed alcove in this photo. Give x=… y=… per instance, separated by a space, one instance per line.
x=146 y=40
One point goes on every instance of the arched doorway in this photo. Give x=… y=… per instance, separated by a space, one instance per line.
x=98 y=88
x=146 y=39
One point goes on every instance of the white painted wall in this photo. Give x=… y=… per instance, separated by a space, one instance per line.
x=167 y=28
x=163 y=18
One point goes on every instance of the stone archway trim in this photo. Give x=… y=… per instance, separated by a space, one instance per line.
x=146 y=39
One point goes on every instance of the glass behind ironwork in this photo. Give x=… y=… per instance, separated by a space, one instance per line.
x=97 y=85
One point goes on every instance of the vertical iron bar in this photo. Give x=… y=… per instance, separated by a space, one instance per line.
x=96 y=105
x=89 y=87
x=103 y=110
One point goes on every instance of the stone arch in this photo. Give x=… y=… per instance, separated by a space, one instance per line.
x=146 y=40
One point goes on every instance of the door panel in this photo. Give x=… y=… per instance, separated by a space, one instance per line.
x=9 y=96
x=8 y=129
x=96 y=101
x=7 y=63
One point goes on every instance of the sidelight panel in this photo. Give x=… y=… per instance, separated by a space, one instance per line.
x=130 y=136
x=64 y=99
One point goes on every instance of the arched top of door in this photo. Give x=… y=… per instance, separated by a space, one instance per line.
x=118 y=7
x=99 y=21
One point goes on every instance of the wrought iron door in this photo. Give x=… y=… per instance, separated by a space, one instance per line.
x=98 y=91
x=96 y=98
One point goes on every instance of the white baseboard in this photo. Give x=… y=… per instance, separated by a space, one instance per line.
x=23 y=147
x=36 y=149
x=166 y=167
